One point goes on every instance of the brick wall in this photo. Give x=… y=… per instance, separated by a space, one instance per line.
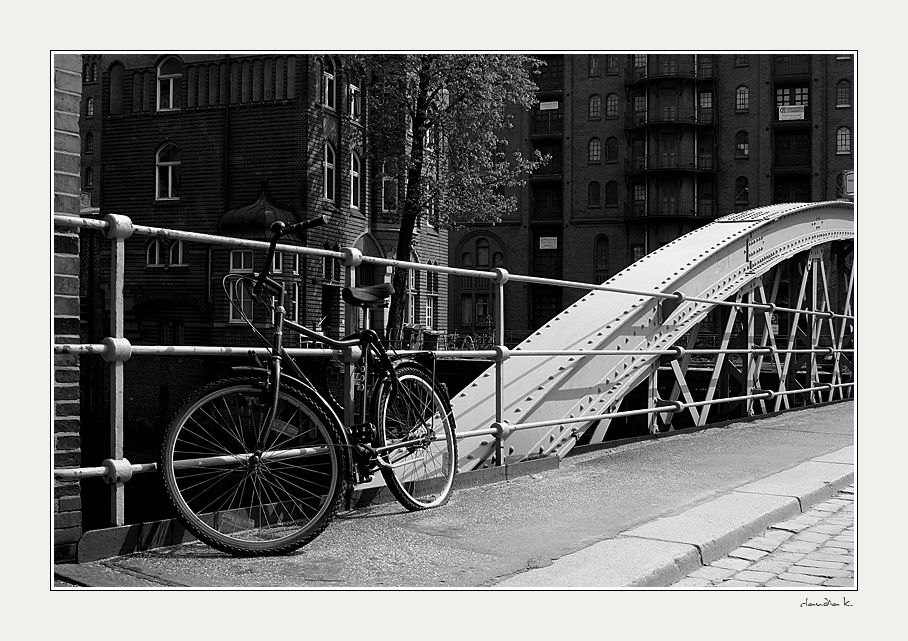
x=67 y=502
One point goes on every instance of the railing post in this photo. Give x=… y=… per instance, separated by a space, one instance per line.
x=120 y=228
x=752 y=372
x=498 y=313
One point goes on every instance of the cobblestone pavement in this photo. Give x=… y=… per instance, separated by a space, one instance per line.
x=813 y=549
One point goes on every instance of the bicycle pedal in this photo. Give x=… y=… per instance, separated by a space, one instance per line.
x=363 y=433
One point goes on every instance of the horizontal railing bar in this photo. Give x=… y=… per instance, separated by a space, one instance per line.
x=371 y=260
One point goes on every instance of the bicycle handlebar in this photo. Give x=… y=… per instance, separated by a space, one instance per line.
x=278 y=229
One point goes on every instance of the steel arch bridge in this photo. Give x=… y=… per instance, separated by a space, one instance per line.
x=776 y=283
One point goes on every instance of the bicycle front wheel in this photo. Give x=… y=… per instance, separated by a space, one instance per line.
x=248 y=491
x=418 y=420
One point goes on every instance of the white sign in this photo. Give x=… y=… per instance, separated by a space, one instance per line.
x=848 y=182
x=547 y=106
x=794 y=112
x=548 y=242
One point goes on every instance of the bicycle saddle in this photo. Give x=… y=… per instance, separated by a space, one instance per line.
x=367 y=296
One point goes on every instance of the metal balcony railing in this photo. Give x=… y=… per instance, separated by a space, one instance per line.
x=688 y=161
x=671 y=114
x=697 y=208
x=673 y=67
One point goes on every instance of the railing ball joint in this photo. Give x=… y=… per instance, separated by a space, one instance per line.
x=502 y=353
x=502 y=429
x=670 y=406
x=118 y=226
x=680 y=297
x=501 y=275
x=767 y=394
x=116 y=471
x=770 y=308
x=351 y=354
x=352 y=257
x=116 y=350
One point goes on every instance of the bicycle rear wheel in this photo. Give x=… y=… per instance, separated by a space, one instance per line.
x=246 y=492
x=420 y=473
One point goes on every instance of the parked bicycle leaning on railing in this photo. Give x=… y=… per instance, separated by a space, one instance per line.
x=259 y=463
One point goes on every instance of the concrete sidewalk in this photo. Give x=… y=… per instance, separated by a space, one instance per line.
x=642 y=514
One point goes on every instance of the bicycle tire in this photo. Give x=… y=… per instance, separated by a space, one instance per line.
x=247 y=499
x=422 y=475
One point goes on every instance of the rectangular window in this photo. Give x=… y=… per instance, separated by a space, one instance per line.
x=466 y=309
x=239 y=298
x=482 y=308
x=636 y=252
x=277 y=264
x=354 y=105
x=296 y=263
x=295 y=304
x=241 y=260
x=431 y=307
x=177 y=249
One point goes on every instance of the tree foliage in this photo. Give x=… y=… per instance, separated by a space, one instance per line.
x=436 y=127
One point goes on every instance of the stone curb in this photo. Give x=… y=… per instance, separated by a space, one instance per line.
x=662 y=551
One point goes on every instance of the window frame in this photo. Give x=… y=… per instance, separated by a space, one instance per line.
x=594 y=151
x=90 y=108
x=355 y=182
x=611 y=150
x=742 y=99
x=742 y=186
x=595 y=65
x=840 y=95
x=843 y=141
x=243 y=254
x=593 y=195
x=354 y=102
x=611 y=106
x=277 y=263
x=89 y=143
x=329 y=85
x=88 y=180
x=329 y=192
x=742 y=144
x=170 y=80
x=173 y=170
x=179 y=247
x=611 y=189
x=594 y=110
x=153 y=246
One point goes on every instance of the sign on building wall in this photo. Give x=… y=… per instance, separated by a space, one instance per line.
x=548 y=242
x=547 y=106
x=793 y=112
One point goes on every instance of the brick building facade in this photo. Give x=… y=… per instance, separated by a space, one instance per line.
x=646 y=148
x=222 y=144
x=66 y=417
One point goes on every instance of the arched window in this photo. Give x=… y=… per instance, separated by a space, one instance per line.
x=89 y=142
x=89 y=179
x=329 y=92
x=86 y=73
x=482 y=253
x=601 y=258
x=742 y=99
x=329 y=172
x=595 y=150
x=843 y=94
x=611 y=106
x=611 y=194
x=167 y=172
x=94 y=72
x=595 y=106
x=843 y=140
x=611 y=150
x=592 y=194
x=742 y=193
x=89 y=107
x=742 y=144
x=116 y=89
x=153 y=253
x=170 y=75
x=354 y=180
x=595 y=68
x=177 y=253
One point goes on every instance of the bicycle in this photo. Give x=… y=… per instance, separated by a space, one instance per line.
x=259 y=464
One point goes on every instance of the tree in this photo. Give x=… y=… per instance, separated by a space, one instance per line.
x=435 y=131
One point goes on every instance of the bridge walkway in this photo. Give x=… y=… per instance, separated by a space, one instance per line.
x=644 y=513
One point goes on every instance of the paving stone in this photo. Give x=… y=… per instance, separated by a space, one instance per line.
x=735 y=583
x=799 y=546
x=813 y=537
x=712 y=573
x=808 y=562
x=844 y=545
x=803 y=578
x=747 y=553
x=840 y=582
x=692 y=583
x=830 y=550
x=765 y=565
x=792 y=526
x=756 y=577
x=762 y=543
x=824 y=572
x=777 y=535
x=731 y=564
x=834 y=558
x=786 y=556
x=782 y=583
x=827 y=528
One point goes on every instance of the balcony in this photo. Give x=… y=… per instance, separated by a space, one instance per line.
x=671 y=114
x=660 y=67
x=546 y=123
x=672 y=208
x=677 y=161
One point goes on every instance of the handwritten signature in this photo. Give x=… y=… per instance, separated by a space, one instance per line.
x=827 y=603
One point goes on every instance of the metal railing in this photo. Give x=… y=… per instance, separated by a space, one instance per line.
x=116 y=349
